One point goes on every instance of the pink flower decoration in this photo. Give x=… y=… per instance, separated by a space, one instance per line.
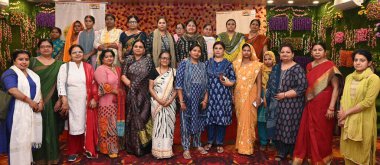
x=361 y=35
x=339 y=37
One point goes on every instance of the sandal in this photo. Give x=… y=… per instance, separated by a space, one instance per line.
x=219 y=149
x=186 y=154
x=207 y=146
x=202 y=150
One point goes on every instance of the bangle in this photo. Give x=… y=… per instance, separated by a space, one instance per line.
x=24 y=98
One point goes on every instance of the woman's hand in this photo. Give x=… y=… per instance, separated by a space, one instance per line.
x=204 y=104
x=167 y=103
x=57 y=105
x=33 y=105
x=40 y=106
x=330 y=114
x=64 y=107
x=342 y=115
x=93 y=103
x=258 y=102
x=280 y=96
x=183 y=106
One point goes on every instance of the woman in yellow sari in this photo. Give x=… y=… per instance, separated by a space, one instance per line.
x=247 y=98
x=357 y=115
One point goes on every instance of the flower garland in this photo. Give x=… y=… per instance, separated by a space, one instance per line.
x=302 y=23
x=373 y=11
x=278 y=23
x=361 y=35
x=350 y=39
x=339 y=37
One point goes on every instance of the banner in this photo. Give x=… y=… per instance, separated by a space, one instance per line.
x=67 y=12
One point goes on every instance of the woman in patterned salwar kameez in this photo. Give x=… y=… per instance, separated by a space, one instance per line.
x=108 y=38
x=247 y=98
x=285 y=99
x=161 y=40
x=221 y=78
x=191 y=85
x=232 y=39
x=357 y=115
x=189 y=39
x=163 y=108
x=315 y=135
x=137 y=71
x=111 y=111
x=47 y=68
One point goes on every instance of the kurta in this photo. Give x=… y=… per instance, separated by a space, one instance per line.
x=105 y=36
x=219 y=109
x=233 y=44
x=359 y=133
x=185 y=42
x=107 y=111
x=52 y=122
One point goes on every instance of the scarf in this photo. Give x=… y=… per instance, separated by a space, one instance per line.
x=157 y=41
x=189 y=77
x=273 y=86
x=233 y=44
x=267 y=70
x=27 y=126
x=86 y=40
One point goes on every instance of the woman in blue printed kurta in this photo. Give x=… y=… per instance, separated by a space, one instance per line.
x=191 y=86
x=221 y=77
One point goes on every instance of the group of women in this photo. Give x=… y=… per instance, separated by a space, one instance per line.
x=125 y=96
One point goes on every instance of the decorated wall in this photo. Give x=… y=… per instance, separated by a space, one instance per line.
x=176 y=13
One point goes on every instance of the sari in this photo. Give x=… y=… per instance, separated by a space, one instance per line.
x=185 y=42
x=314 y=139
x=110 y=110
x=52 y=122
x=58 y=46
x=258 y=43
x=22 y=129
x=163 y=117
x=138 y=128
x=128 y=40
x=233 y=44
x=105 y=36
x=245 y=93
x=359 y=133
x=69 y=41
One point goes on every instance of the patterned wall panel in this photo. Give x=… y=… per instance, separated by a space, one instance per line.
x=174 y=13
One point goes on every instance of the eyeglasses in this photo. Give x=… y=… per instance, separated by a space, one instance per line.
x=77 y=52
x=132 y=22
x=165 y=58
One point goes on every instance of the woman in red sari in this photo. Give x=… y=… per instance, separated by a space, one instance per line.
x=258 y=41
x=314 y=139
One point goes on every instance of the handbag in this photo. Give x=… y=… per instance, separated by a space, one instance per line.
x=5 y=99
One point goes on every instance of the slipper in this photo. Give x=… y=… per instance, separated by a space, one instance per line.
x=202 y=150
x=186 y=154
x=207 y=146
x=219 y=149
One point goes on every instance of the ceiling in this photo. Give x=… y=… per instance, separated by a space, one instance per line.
x=251 y=2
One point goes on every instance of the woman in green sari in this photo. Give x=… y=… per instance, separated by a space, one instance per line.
x=47 y=68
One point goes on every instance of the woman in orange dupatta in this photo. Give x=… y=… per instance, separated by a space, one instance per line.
x=111 y=112
x=71 y=39
x=258 y=41
x=314 y=139
x=247 y=92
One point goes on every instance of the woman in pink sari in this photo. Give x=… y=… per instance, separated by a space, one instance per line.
x=111 y=116
x=314 y=139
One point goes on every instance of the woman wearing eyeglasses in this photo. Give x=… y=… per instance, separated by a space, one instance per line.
x=79 y=94
x=133 y=33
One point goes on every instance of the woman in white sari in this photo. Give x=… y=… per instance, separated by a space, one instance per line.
x=163 y=108
x=22 y=129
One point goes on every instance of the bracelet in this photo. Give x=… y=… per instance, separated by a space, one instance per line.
x=24 y=98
